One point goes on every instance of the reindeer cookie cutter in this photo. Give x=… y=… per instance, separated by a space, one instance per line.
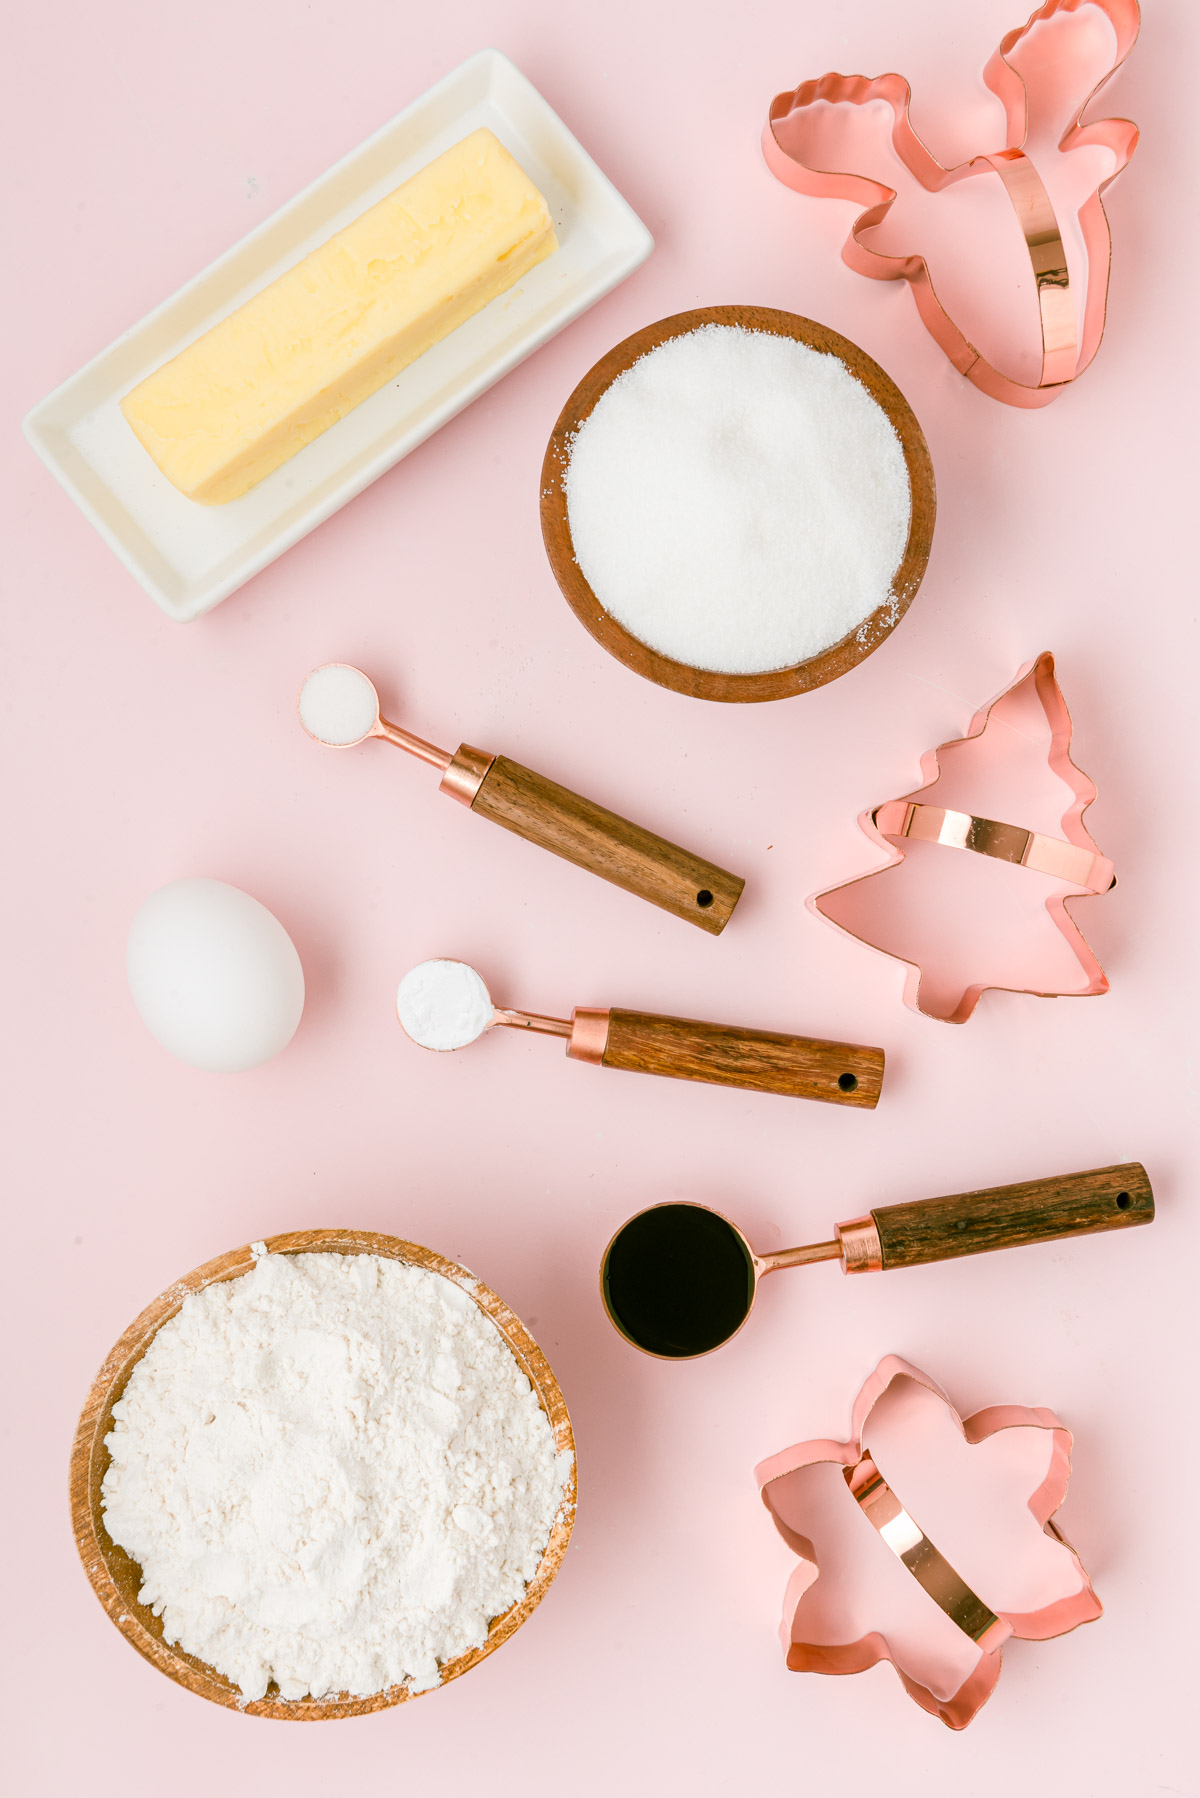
x=1066 y=351
x=1075 y=859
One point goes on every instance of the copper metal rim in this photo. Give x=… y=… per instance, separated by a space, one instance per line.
x=465 y=773
x=116 y=1579
x=753 y=1264
x=589 y=1035
x=699 y=683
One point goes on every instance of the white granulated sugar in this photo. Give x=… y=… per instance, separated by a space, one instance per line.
x=332 y=1473
x=338 y=705
x=738 y=501
x=443 y=1004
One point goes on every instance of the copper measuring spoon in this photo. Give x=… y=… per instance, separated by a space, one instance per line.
x=679 y=1280
x=642 y=1042
x=339 y=707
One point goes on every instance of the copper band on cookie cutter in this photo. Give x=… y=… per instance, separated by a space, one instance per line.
x=928 y=1566
x=1065 y=352
x=1003 y=842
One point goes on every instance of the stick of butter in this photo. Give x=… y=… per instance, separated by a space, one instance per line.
x=243 y=398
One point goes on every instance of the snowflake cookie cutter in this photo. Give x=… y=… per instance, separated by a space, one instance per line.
x=1066 y=351
x=970 y=1614
x=1074 y=859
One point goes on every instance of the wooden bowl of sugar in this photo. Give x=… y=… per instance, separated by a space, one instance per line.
x=737 y=518
x=117 y=1579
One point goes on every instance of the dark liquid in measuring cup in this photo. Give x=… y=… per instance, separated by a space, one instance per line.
x=678 y=1280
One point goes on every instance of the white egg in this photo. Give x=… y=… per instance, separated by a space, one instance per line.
x=214 y=975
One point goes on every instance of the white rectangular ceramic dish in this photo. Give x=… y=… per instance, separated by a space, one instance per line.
x=189 y=557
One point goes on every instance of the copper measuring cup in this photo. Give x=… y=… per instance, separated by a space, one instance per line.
x=536 y=808
x=642 y=1042
x=679 y=1280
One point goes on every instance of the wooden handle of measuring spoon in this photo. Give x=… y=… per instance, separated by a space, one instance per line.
x=1005 y=1217
x=557 y=819
x=764 y=1061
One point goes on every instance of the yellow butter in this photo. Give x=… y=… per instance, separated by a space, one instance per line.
x=235 y=404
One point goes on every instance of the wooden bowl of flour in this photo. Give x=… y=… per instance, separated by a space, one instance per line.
x=680 y=677
x=117 y=1579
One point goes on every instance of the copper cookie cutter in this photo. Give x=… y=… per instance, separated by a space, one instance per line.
x=1066 y=351
x=987 y=1628
x=1074 y=859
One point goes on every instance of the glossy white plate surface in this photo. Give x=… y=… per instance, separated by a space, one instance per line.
x=189 y=557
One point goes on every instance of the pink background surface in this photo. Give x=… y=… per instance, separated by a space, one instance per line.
x=146 y=139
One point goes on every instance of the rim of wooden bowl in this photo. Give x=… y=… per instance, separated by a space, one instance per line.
x=680 y=677
x=115 y=1577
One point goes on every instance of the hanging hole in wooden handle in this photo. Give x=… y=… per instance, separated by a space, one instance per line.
x=759 y=1060
x=1006 y=1217
x=582 y=832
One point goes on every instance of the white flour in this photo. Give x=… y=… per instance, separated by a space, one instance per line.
x=443 y=1004
x=332 y=1473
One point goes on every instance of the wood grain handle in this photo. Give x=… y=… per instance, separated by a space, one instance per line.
x=557 y=819
x=800 y=1067
x=1005 y=1217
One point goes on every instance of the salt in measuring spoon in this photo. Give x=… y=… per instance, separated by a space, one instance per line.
x=338 y=706
x=679 y=1280
x=445 y=1005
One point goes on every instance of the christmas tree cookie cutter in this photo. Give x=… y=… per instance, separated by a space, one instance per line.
x=1075 y=858
x=1066 y=351
x=987 y=1628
